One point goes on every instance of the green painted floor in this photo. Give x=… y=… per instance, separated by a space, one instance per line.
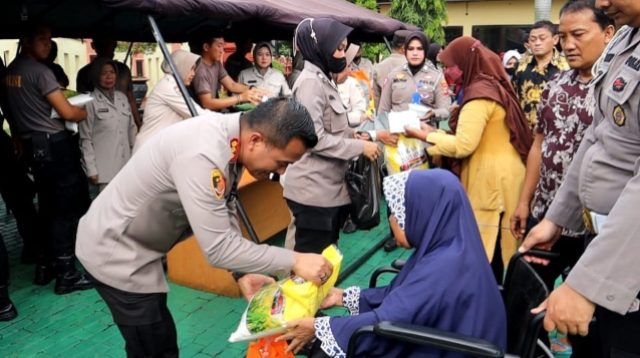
x=79 y=324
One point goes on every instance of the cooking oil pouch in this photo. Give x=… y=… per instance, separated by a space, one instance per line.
x=286 y=300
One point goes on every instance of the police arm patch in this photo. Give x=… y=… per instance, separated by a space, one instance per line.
x=218 y=184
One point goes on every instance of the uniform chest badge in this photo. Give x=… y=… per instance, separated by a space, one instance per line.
x=217 y=184
x=619 y=117
x=103 y=110
x=619 y=84
x=234 y=145
x=400 y=77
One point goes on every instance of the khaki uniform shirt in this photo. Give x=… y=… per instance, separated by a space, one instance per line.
x=317 y=179
x=381 y=71
x=182 y=177
x=272 y=81
x=401 y=84
x=604 y=177
x=107 y=135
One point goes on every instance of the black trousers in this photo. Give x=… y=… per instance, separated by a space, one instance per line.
x=62 y=188
x=316 y=227
x=18 y=191
x=144 y=321
x=4 y=264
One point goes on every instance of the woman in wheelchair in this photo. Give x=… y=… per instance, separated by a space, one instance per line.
x=447 y=282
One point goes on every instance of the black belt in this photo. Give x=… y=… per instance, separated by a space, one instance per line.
x=51 y=137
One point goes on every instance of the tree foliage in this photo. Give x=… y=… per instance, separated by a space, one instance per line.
x=372 y=51
x=429 y=15
x=138 y=47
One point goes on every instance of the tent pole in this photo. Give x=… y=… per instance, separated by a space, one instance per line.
x=386 y=42
x=126 y=57
x=167 y=57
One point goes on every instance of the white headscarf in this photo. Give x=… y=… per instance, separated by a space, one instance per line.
x=184 y=61
x=509 y=55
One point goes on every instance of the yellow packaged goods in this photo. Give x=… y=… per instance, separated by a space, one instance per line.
x=283 y=301
x=408 y=154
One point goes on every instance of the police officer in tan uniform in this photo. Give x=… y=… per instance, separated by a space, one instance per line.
x=396 y=59
x=108 y=133
x=601 y=192
x=314 y=186
x=416 y=76
x=186 y=176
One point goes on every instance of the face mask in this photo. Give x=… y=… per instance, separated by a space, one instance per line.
x=511 y=71
x=453 y=75
x=337 y=65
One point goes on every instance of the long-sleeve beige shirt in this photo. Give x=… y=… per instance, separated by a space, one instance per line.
x=181 y=178
x=604 y=177
x=317 y=179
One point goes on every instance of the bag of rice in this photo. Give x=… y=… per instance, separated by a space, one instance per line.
x=278 y=303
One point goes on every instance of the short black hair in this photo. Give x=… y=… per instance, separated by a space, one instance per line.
x=399 y=38
x=281 y=119
x=202 y=37
x=546 y=24
x=599 y=16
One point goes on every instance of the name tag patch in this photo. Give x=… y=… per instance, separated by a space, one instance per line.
x=103 y=110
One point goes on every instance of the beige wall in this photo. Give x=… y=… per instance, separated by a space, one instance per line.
x=515 y=12
x=71 y=55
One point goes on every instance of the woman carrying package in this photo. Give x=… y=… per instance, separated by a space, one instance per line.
x=314 y=186
x=416 y=82
x=446 y=283
x=491 y=138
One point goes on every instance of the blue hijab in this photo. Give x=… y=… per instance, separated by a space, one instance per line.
x=446 y=283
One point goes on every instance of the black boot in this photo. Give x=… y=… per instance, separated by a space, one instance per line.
x=43 y=275
x=69 y=279
x=7 y=310
x=390 y=244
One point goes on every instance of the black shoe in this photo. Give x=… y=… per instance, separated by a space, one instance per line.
x=390 y=245
x=44 y=274
x=349 y=227
x=8 y=312
x=72 y=281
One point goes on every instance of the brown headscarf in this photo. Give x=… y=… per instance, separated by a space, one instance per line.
x=485 y=77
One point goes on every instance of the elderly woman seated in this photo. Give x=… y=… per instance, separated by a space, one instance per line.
x=446 y=283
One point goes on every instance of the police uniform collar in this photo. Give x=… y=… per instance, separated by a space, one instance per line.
x=425 y=68
x=256 y=71
x=318 y=72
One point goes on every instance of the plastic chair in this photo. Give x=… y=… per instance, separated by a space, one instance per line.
x=522 y=291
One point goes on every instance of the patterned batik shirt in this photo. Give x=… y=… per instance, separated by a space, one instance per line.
x=529 y=81
x=565 y=112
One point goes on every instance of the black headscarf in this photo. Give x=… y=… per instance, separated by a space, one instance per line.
x=420 y=36
x=317 y=39
x=432 y=53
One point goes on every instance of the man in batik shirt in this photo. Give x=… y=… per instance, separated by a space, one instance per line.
x=536 y=69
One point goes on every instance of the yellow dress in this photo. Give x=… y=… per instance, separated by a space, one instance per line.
x=492 y=171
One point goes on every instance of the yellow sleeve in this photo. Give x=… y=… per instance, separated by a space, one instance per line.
x=472 y=120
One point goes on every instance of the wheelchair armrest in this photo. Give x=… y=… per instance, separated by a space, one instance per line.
x=373 y=281
x=448 y=341
x=398 y=264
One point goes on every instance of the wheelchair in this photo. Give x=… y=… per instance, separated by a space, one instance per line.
x=523 y=290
